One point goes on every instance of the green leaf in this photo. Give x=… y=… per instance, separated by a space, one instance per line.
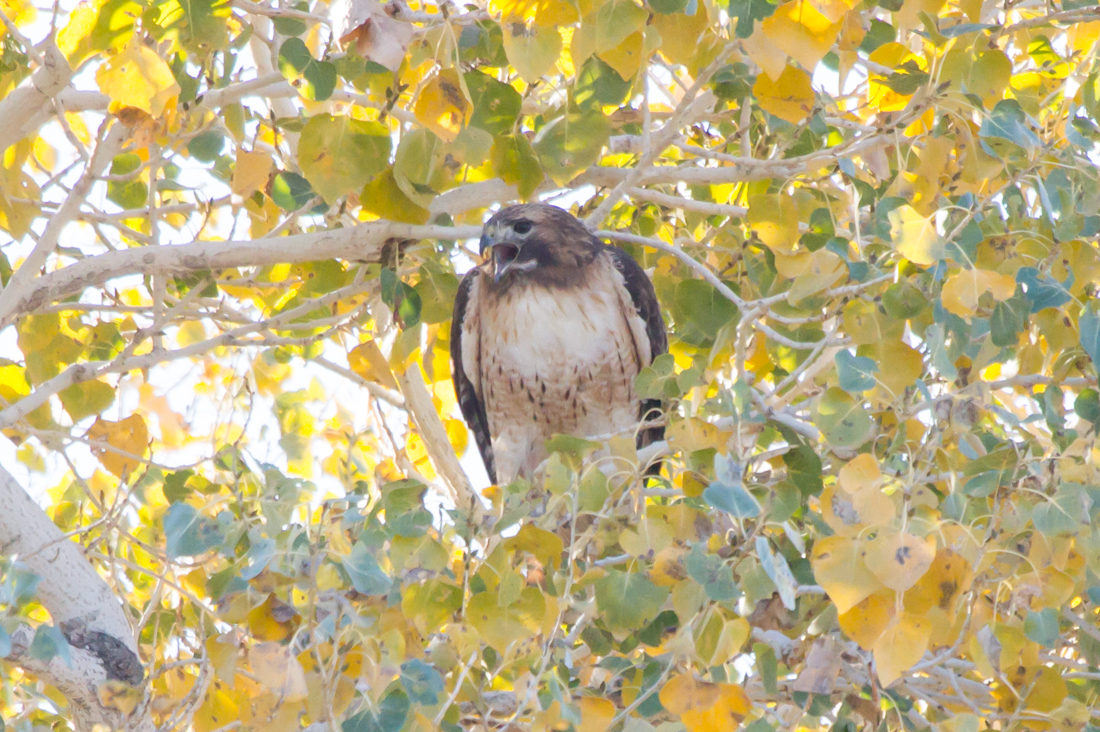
x=258 y=557
x=1008 y=319
x=599 y=85
x=569 y=144
x=727 y=493
x=422 y=682
x=340 y=154
x=188 y=533
x=1042 y=290
x=401 y=298
x=667 y=7
x=1088 y=326
x=200 y=26
x=1042 y=627
x=628 y=601
x=855 y=373
x=87 y=398
x=713 y=574
x=49 y=642
x=496 y=104
x=131 y=193
x=291 y=191
x=777 y=569
x=1065 y=513
x=206 y=146
x=292 y=26
x=700 y=311
x=390 y=716
x=1007 y=121
x=385 y=199
x=366 y=576
x=422 y=167
x=749 y=11
x=297 y=63
x=842 y=419
x=904 y=301
x=437 y=289
x=514 y=161
x=1087 y=407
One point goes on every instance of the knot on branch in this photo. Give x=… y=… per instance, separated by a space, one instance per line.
x=119 y=662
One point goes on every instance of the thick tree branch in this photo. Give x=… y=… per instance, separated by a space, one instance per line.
x=81 y=603
x=361 y=243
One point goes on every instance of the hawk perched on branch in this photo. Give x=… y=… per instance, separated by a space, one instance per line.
x=548 y=336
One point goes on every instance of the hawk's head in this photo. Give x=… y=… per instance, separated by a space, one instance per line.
x=539 y=243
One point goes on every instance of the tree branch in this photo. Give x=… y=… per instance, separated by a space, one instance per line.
x=102 y=644
x=362 y=243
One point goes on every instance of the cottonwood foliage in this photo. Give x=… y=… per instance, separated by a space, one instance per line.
x=873 y=228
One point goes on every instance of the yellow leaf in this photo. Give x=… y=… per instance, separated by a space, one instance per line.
x=865 y=622
x=790 y=97
x=718 y=640
x=801 y=31
x=251 y=172
x=767 y=55
x=859 y=473
x=866 y=323
x=940 y=587
x=838 y=564
x=822 y=272
x=852 y=515
x=274 y=667
x=647 y=538
x=834 y=10
x=596 y=714
x=13 y=384
x=962 y=290
x=218 y=709
x=20 y=12
x=901 y=646
x=909 y=15
x=915 y=236
x=626 y=58
x=899 y=364
x=457 y=434
x=531 y=49
x=774 y=218
x=544 y=545
x=418 y=454
x=703 y=706
x=130 y=436
x=273 y=620
x=546 y=13
x=442 y=105
x=899 y=560
x=367 y=360
x=694 y=434
x=119 y=695
x=680 y=33
x=139 y=78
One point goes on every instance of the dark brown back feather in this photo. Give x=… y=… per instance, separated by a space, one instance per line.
x=645 y=302
x=473 y=409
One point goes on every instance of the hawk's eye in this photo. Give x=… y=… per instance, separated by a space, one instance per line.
x=522 y=227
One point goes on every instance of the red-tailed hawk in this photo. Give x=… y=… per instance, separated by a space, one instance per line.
x=548 y=336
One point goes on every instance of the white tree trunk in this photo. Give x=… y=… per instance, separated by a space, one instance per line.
x=81 y=604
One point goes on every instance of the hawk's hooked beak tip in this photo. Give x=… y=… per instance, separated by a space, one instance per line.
x=503 y=255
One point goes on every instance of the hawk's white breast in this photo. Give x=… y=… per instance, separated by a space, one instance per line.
x=554 y=360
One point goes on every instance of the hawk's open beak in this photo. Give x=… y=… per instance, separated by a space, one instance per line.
x=503 y=253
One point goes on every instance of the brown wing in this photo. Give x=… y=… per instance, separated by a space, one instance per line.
x=645 y=302
x=473 y=408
